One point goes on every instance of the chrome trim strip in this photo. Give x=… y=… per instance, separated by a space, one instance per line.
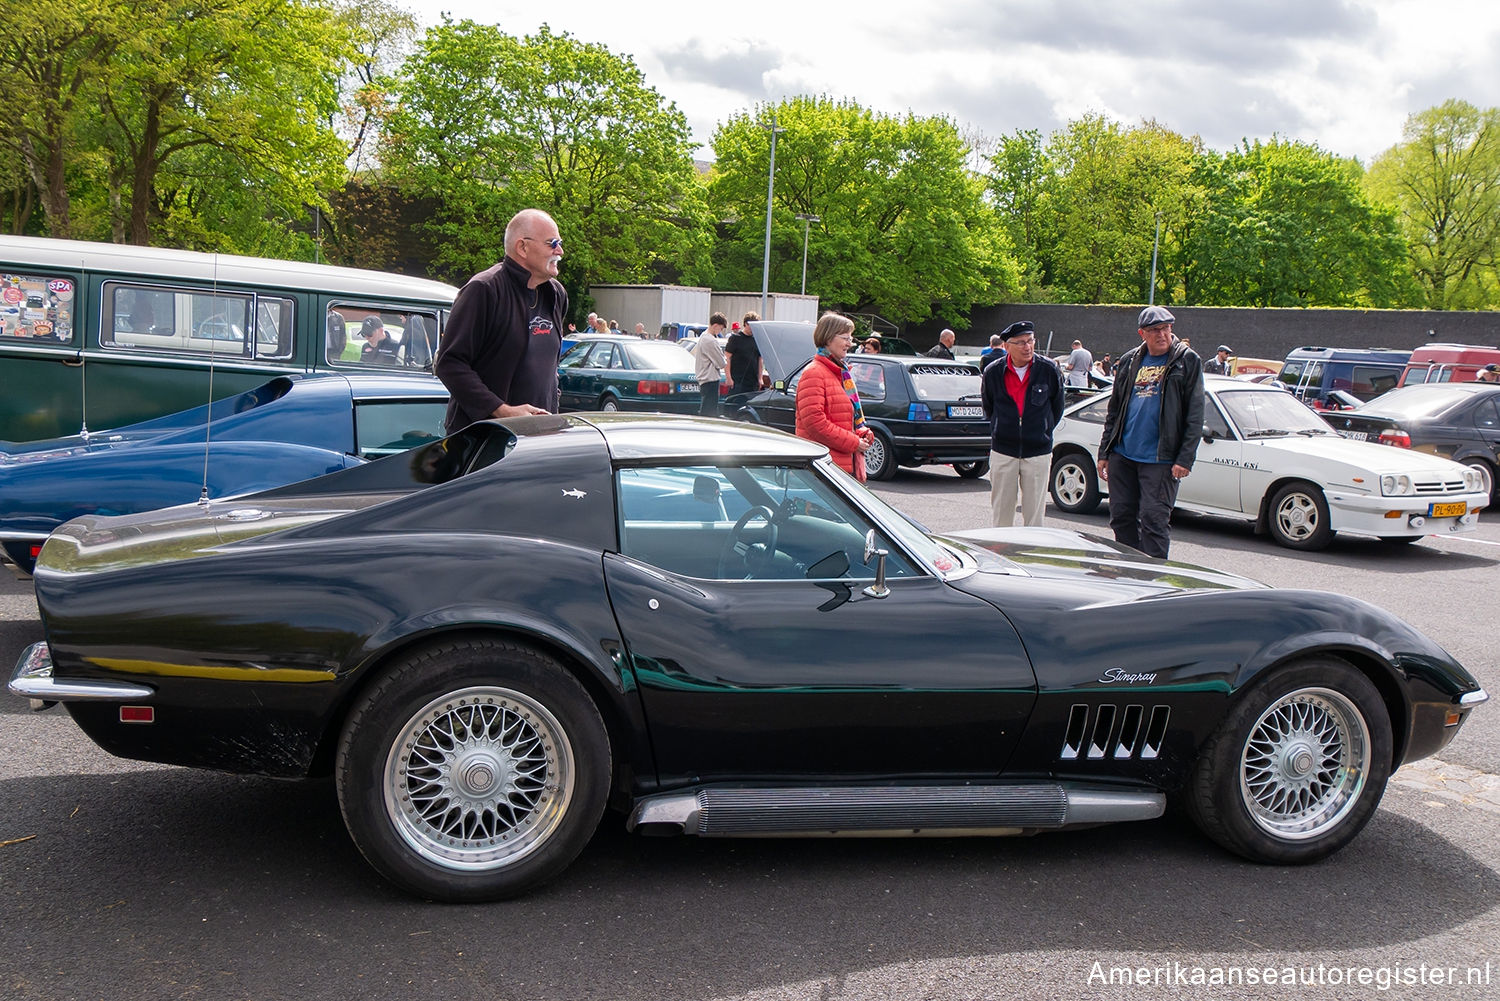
x=26 y=536
x=32 y=679
x=1476 y=698
x=1099 y=806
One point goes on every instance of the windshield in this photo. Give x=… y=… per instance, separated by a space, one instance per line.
x=660 y=356
x=1415 y=402
x=1262 y=413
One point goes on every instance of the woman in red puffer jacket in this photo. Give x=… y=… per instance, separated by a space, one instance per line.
x=828 y=410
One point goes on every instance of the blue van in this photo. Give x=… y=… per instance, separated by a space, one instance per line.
x=1335 y=378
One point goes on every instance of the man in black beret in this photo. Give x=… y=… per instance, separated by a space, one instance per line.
x=1023 y=401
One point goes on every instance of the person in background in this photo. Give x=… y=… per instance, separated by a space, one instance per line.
x=1490 y=373
x=1079 y=363
x=746 y=370
x=944 y=347
x=871 y=346
x=499 y=349
x=1151 y=433
x=379 y=347
x=994 y=351
x=1023 y=401
x=1219 y=363
x=709 y=361
x=828 y=409
x=640 y=331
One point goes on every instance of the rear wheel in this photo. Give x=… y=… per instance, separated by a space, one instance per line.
x=1299 y=517
x=609 y=404
x=1297 y=767
x=880 y=460
x=971 y=470
x=473 y=770
x=1074 y=484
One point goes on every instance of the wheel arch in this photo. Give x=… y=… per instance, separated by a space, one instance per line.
x=1263 y=519
x=613 y=705
x=1373 y=664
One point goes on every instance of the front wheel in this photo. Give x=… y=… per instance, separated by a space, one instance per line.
x=1074 y=484
x=880 y=460
x=473 y=770
x=1298 y=765
x=1299 y=517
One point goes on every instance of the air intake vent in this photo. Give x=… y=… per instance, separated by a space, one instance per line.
x=1096 y=739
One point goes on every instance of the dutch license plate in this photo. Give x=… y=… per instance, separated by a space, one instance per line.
x=687 y=387
x=1447 y=510
x=965 y=411
x=1355 y=435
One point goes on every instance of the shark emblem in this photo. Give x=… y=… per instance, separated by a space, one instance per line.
x=576 y=494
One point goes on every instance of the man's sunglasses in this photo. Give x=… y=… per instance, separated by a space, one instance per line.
x=555 y=243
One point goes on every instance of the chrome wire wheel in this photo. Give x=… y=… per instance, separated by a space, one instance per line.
x=1305 y=763
x=876 y=459
x=479 y=778
x=1297 y=516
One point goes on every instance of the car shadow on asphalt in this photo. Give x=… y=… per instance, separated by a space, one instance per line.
x=193 y=877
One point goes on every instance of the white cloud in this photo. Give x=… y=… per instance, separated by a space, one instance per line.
x=1341 y=73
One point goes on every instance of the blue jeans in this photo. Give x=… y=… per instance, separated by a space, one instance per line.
x=1141 y=495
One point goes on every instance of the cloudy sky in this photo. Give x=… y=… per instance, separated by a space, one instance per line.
x=1340 y=73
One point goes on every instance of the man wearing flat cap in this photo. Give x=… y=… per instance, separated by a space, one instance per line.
x=1151 y=433
x=1022 y=395
x=1490 y=373
x=1219 y=363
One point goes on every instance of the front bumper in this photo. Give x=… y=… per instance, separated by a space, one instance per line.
x=1401 y=516
x=32 y=679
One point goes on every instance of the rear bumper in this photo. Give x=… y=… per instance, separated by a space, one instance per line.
x=923 y=450
x=32 y=679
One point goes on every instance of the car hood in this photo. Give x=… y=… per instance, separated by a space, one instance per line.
x=784 y=346
x=1366 y=455
x=1092 y=570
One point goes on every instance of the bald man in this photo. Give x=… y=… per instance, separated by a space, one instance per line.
x=499 y=351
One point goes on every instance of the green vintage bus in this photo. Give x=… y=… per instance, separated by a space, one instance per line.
x=98 y=335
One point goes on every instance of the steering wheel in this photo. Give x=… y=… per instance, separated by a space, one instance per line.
x=751 y=556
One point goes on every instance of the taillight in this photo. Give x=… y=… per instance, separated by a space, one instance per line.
x=650 y=387
x=1395 y=436
x=36 y=550
x=918 y=412
x=726 y=387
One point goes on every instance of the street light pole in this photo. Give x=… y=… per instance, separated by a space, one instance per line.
x=807 y=221
x=765 y=267
x=1151 y=294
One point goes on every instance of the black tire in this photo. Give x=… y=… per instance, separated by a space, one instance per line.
x=1074 y=484
x=610 y=404
x=1487 y=474
x=972 y=470
x=1297 y=767
x=880 y=460
x=473 y=770
x=1298 y=517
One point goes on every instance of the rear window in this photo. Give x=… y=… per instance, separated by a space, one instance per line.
x=1415 y=402
x=944 y=382
x=657 y=356
x=36 y=308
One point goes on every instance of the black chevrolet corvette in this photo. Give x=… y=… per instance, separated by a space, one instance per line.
x=711 y=628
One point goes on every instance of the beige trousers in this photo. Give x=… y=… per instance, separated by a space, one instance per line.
x=1009 y=476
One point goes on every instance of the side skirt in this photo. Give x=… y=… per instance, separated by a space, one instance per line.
x=946 y=811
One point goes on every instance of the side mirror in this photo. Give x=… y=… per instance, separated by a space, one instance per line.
x=1208 y=433
x=877 y=589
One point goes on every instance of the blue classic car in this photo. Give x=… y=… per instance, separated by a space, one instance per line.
x=289 y=429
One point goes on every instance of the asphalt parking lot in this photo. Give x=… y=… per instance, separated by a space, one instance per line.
x=119 y=879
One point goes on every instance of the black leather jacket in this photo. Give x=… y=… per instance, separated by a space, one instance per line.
x=1181 y=404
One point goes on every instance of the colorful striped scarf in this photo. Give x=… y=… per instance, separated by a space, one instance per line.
x=859 y=412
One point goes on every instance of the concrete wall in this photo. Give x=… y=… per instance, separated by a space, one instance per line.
x=1257 y=333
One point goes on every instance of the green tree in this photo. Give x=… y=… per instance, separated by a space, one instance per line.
x=48 y=83
x=904 y=229
x=489 y=124
x=1101 y=203
x=198 y=108
x=1444 y=179
x=1020 y=183
x=1288 y=224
